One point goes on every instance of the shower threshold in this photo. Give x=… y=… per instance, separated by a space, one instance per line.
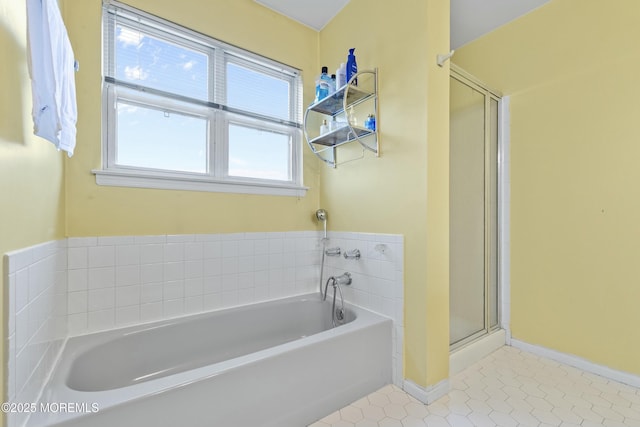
x=463 y=357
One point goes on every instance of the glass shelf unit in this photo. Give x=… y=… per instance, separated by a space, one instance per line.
x=341 y=102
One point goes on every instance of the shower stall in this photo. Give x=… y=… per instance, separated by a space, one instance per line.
x=474 y=248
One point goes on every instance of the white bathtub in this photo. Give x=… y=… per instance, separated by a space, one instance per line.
x=270 y=364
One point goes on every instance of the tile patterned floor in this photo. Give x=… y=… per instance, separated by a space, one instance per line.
x=509 y=388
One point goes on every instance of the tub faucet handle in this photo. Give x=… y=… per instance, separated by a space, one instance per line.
x=352 y=254
x=344 y=279
x=332 y=251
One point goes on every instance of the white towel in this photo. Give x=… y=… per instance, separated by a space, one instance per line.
x=51 y=66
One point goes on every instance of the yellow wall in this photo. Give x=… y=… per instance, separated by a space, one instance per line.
x=99 y=210
x=405 y=190
x=31 y=169
x=571 y=68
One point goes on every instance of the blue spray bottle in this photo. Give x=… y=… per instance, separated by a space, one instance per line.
x=352 y=66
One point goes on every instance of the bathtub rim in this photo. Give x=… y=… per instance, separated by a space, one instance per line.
x=56 y=389
x=81 y=344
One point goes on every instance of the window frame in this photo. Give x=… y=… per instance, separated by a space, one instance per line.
x=218 y=115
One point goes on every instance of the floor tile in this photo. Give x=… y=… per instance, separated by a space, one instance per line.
x=507 y=388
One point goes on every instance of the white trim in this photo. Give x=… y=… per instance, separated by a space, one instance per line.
x=427 y=395
x=504 y=198
x=140 y=180
x=578 y=362
x=462 y=358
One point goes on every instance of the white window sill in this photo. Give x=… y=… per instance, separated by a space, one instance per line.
x=137 y=179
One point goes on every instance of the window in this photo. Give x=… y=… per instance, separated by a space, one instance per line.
x=184 y=111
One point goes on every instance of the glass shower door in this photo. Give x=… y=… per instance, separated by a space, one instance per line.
x=473 y=211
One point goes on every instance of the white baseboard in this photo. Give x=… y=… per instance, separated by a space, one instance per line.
x=427 y=395
x=432 y=393
x=474 y=352
x=578 y=362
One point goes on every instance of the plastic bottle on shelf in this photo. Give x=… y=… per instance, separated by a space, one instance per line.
x=323 y=85
x=324 y=128
x=341 y=75
x=370 y=123
x=352 y=66
x=334 y=124
x=332 y=88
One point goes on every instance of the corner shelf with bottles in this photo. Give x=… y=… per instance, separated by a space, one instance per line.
x=348 y=114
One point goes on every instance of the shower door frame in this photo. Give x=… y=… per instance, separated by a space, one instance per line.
x=467 y=79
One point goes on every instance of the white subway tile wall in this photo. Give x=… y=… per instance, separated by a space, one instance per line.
x=36 y=307
x=121 y=281
x=83 y=285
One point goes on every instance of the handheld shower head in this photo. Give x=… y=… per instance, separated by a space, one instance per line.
x=321 y=215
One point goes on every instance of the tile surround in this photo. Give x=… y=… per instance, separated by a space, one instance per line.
x=36 y=307
x=119 y=281
x=82 y=285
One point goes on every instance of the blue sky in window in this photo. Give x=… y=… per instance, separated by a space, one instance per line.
x=256 y=153
x=161 y=140
x=151 y=138
x=159 y=64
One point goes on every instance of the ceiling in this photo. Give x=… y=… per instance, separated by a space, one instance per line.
x=470 y=19
x=312 y=13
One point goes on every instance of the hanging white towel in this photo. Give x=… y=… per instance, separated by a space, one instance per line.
x=51 y=66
